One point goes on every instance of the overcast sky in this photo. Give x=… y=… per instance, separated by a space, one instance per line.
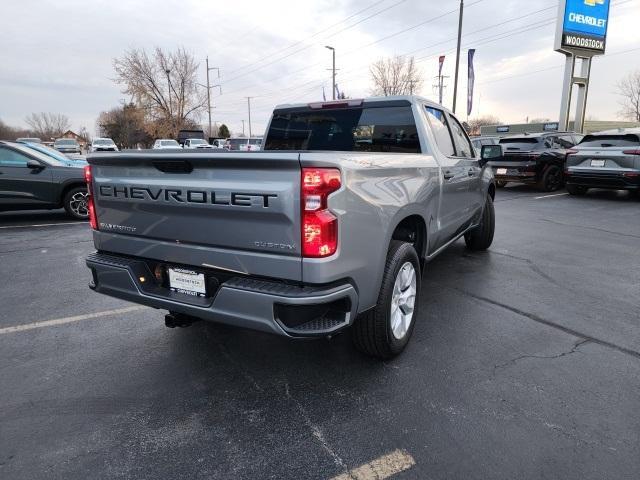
x=56 y=56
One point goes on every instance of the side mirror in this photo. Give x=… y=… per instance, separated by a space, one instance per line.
x=490 y=152
x=34 y=165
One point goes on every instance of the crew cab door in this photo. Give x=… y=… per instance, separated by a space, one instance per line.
x=20 y=185
x=456 y=203
x=466 y=154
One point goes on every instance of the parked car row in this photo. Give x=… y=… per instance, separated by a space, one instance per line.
x=242 y=144
x=550 y=160
x=35 y=177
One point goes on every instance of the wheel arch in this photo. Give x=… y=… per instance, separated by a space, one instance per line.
x=411 y=228
x=66 y=187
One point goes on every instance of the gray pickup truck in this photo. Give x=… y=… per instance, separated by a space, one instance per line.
x=329 y=227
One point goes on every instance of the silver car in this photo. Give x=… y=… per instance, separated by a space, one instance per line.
x=608 y=160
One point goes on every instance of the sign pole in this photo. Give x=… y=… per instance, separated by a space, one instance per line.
x=567 y=87
x=581 y=33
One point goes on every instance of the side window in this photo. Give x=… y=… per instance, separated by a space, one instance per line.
x=565 y=141
x=11 y=158
x=386 y=129
x=462 y=142
x=440 y=130
x=550 y=142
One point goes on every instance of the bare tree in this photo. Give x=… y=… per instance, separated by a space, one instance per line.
x=395 y=76
x=125 y=126
x=164 y=85
x=629 y=89
x=48 y=125
x=476 y=123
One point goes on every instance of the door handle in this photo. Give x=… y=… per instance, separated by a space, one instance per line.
x=471 y=172
x=448 y=175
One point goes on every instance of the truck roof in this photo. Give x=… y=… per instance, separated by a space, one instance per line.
x=367 y=100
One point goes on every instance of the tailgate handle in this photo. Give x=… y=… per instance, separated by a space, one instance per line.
x=173 y=166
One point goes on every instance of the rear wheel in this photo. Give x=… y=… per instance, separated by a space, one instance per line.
x=551 y=179
x=481 y=237
x=576 y=189
x=384 y=331
x=75 y=203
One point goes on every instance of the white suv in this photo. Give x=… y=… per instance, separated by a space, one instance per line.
x=196 y=143
x=165 y=143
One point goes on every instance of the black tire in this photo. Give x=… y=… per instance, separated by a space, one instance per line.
x=74 y=205
x=372 y=332
x=552 y=179
x=500 y=183
x=481 y=237
x=576 y=189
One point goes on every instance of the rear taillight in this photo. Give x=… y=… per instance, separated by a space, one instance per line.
x=319 y=225
x=632 y=152
x=93 y=218
x=571 y=152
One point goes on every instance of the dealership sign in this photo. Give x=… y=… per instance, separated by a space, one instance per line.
x=582 y=26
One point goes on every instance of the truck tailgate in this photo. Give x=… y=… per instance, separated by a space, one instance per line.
x=238 y=212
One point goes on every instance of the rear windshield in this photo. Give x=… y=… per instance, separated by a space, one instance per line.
x=66 y=142
x=169 y=143
x=521 y=143
x=103 y=142
x=629 y=140
x=373 y=129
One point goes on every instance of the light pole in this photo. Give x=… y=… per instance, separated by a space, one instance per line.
x=455 y=78
x=243 y=128
x=249 y=111
x=333 y=54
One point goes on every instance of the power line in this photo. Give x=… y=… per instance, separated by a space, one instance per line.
x=307 y=67
x=309 y=37
x=482 y=41
x=309 y=46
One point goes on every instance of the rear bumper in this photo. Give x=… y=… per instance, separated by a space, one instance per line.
x=601 y=178
x=268 y=306
x=525 y=171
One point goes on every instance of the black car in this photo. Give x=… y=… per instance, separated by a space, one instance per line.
x=31 y=180
x=536 y=158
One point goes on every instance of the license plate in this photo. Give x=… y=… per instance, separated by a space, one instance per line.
x=187 y=282
x=597 y=163
x=501 y=171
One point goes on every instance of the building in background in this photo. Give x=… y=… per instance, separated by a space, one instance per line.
x=590 y=126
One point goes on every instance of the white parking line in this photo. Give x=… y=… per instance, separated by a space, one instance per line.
x=43 y=225
x=62 y=321
x=380 y=468
x=552 y=195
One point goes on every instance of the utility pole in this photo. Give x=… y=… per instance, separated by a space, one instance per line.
x=333 y=69
x=455 y=79
x=209 y=86
x=249 y=108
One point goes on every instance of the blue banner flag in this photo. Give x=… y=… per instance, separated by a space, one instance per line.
x=470 y=81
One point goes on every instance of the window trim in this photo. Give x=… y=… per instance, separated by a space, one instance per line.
x=464 y=132
x=453 y=143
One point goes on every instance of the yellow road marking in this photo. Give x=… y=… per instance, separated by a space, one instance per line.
x=380 y=468
x=62 y=321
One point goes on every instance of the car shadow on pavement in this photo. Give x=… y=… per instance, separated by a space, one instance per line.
x=35 y=217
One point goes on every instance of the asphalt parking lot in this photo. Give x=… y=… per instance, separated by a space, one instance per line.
x=525 y=363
